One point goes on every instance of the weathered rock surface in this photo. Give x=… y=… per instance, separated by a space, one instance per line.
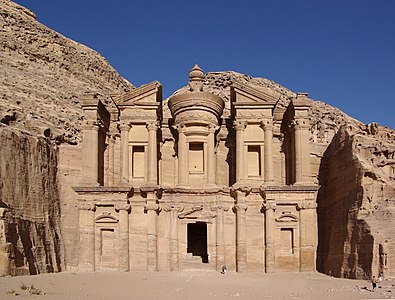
x=43 y=75
x=30 y=207
x=356 y=203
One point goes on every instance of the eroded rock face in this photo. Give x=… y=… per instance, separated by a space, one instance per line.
x=44 y=74
x=356 y=203
x=30 y=207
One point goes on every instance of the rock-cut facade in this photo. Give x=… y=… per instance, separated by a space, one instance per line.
x=196 y=183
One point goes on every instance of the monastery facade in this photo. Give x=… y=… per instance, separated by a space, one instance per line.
x=196 y=182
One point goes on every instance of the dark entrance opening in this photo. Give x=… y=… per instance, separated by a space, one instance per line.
x=197 y=240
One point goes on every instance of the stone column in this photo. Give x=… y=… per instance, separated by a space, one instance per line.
x=268 y=153
x=90 y=152
x=302 y=152
x=173 y=214
x=307 y=235
x=220 y=236
x=241 y=247
x=211 y=158
x=183 y=171
x=240 y=165
x=152 y=208
x=123 y=210
x=152 y=153
x=270 y=207
x=111 y=157
x=125 y=127
x=87 y=236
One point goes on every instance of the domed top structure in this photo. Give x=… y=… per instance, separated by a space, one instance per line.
x=195 y=104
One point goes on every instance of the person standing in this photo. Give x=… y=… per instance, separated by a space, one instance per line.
x=374 y=282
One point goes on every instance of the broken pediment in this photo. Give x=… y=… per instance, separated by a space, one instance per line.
x=146 y=94
x=245 y=94
x=287 y=218
x=196 y=213
x=106 y=217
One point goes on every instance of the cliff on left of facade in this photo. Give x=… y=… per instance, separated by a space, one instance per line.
x=43 y=74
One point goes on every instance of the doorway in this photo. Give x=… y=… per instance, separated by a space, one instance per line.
x=197 y=240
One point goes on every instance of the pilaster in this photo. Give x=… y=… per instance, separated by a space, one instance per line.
x=125 y=127
x=173 y=211
x=307 y=236
x=240 y=164
x=87 y=236
x=152 y=153
x=268 y=150
x=241 y=247
x=211 y=157
x=152 y=209
x=90 y=152
x=183 y=173
x=269 y=208
x=220 y=236
x=124 y=210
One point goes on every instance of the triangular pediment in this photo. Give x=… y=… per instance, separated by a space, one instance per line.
x=243 y=93
x=150 y=93
x=197 y=213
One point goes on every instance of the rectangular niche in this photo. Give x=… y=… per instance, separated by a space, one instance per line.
x=254 y=160
x=107 y=248
x=138 y=161
x=287 y=241
x=196 y=158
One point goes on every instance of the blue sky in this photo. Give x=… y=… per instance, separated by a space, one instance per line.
x=341 y=52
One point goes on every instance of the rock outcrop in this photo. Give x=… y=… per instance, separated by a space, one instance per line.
x=30 y=206
x=44 y=74
x=356 y=203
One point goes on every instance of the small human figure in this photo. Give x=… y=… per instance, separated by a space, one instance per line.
x=223 y=270
x=374 y=282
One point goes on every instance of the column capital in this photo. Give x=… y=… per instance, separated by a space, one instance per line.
x=269 y=206
x=152 y=125
x=90 y=125
x=306 y=205
x=300 y=124
x=151 y=206
x=239 y=125
x=172 y=207
x=212 y=128
x=180 y=127
x=125 y=125
x=267 y=124
x=86 y=206
x=241 y=188
x=219 y=207
x=124 y=206
x=241 y=207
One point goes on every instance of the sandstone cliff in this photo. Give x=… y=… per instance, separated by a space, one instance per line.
x=42 y=77
x=356 y=203
x=44 y=74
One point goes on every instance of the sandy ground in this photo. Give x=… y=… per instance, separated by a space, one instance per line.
x=190 y=285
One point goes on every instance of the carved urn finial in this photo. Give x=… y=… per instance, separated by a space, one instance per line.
x=196 y=76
